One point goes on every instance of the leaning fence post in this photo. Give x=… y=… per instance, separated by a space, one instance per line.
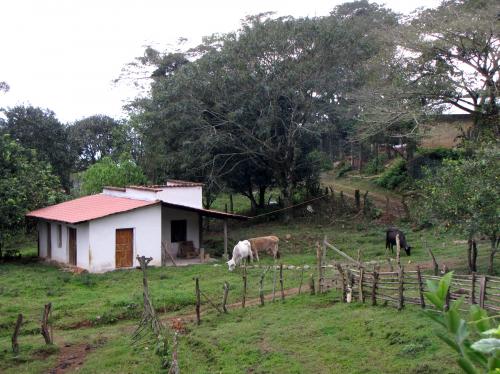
x=15 y=344
x=243 y=300
x=224 y=298
x=401 y=302
x=435 y=265
x=420 y=287
x=45 y=324
x=473 y=289
x=374 y=287
x=198 y=299
x=482 y=291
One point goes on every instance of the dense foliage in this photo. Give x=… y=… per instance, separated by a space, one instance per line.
x=480 y=356
x=25 y=184
x=107 y=172
x=465 y=194
x=39 y=129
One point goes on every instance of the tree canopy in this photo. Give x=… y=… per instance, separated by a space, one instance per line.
x=107 y=172
x=25 y=184
x=95 y=137
x=39 y=129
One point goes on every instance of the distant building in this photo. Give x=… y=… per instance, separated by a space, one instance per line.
x=107 y=231
x=445 y=130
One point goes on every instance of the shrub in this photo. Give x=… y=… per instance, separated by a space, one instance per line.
x=375 y=165
x=394 y=176
x=342 y=169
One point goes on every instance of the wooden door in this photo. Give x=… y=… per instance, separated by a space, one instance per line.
x=124 y=248
x=72 y=246
x=49 y=241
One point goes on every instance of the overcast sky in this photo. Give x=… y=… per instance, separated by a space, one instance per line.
x=64 y=54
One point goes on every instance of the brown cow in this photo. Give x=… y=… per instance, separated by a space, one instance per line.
x=265 y=243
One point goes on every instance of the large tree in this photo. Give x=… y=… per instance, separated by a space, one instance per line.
x=95 y=137
x=39 y=129
x=447 y=57
x=255 y=102
x=25 y=184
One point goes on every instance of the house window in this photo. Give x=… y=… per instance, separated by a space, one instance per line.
x=59 y=236
x=178 y=231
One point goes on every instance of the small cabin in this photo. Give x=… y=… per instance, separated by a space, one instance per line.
x=107 y=231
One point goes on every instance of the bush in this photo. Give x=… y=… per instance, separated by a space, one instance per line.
x=394 y=176
x=343 y=168
x=375 y=165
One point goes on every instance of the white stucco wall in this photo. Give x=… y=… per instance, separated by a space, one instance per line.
x=187 y=196
x=146 y=223
x=192 y=230
x=61 y=253
x=113 y=192
x=82 y=245
x=133 y=193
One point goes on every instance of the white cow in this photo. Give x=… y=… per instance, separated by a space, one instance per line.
x=241 y=251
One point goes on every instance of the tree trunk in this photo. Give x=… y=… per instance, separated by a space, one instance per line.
x=474 y=256
x=262 y=196
x=492 y=255
x=469 y=255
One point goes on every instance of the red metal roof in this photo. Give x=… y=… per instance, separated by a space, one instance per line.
x=88 y=208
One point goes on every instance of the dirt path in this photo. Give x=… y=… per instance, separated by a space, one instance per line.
x=70 y=358
x=379 y=198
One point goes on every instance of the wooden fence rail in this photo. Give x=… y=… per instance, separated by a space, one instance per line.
x=402 y=287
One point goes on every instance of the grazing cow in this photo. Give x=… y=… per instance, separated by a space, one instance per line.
x=390 y=240
x=265 y=243
x=241 y=251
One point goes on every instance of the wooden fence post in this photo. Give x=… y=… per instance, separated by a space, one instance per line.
x=274 y=279
x=434 y=262
x=224 y=298
x=226 y=256
x=261 y=286
x=15 y=344
x=420 y=287
x=374 y=287
x=319 y=266
x=361 y=296
x=401 y=301
x=45 y=324
x=198 y=299
x=281 y=283
x=311 y=285
x=343 y=280
x=398 y=251
x=482 y=291
x=231 y=205
x=473 y=288
x=357 y=200
x=244 y=299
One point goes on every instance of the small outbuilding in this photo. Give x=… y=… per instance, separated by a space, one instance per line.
x=107 y=231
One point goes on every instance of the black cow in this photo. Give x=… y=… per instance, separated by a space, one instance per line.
x=390 y=240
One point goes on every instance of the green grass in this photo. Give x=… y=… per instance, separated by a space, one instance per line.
x=300 y=336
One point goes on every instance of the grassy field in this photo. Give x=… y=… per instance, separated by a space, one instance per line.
x=305 y=334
